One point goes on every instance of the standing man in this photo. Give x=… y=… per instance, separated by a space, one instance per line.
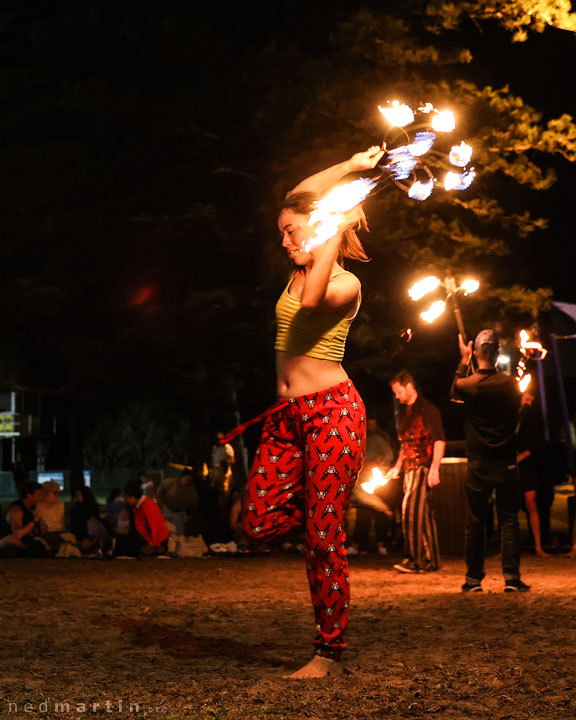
x=491 y=401
x=422 y=444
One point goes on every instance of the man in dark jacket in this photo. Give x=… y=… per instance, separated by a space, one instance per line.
x=491 y=402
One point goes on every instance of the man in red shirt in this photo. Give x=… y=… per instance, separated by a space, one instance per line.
x=149 y=522
x=422 y=444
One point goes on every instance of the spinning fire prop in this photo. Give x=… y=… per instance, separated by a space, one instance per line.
x=452 y=290
x=529 y=350
x=378 y=479
x=417 y=159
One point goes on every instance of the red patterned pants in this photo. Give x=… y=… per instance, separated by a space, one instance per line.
x=309 y=457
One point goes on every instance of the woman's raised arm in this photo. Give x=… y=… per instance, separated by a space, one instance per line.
x=320 y=182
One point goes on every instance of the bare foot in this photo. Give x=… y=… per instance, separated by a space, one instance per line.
x=542 y=554
x=318 y=667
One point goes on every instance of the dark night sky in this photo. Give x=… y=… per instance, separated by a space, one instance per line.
x=159 y=114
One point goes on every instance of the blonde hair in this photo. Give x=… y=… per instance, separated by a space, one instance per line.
x=303 y=203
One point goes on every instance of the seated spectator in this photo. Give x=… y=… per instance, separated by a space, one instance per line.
x=86 y=523
x=51 y=509
x=151 y=531
x=178 y=500
x=148 y=486
x=25 y=525
x=117 y=513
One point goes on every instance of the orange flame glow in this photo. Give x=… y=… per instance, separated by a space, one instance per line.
x=377 y=480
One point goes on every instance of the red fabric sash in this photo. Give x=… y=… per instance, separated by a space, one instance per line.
x=280 y=404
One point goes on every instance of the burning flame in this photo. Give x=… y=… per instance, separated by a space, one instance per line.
x=459 y=181
x=434 y=311
x=329 y=209
x=423 y=287
x=401 y=162
x=443 y=121
x=377 y=480
x=460 y=154
x=398 y=114
x=524 y=381
x=503 y=360
x=420 y=190
x=469 y=286
x=526 y=345
x=423 y=142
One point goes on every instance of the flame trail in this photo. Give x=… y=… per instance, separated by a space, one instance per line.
x=434 y=311
x=327 y=214
x=377 y=480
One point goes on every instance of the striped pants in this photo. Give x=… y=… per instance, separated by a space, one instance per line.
x=418 y=524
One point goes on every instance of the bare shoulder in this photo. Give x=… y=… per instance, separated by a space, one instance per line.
x=14 y=513
x=346 y=281
x=343 y=290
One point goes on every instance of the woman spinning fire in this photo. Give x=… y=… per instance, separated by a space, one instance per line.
x=313 y=438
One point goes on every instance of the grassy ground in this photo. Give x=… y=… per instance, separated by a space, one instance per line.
x=210 y=638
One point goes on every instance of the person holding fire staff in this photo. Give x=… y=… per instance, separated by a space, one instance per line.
x=313 y=438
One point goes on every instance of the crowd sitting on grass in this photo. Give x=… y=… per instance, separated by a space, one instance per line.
x=185 y=515
x=182 y=516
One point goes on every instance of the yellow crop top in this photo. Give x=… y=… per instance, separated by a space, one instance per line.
x=307 y=332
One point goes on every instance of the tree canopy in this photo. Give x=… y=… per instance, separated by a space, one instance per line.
x=146 y=149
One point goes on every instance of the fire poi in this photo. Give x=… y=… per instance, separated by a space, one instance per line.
x=416 y=160
x=378 y=479
x=529 y=350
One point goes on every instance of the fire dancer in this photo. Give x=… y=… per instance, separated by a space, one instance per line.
x=313 y=438
x=491 y=402
x=422 y=444
x=529 y=441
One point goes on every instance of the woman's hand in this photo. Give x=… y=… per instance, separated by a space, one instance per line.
x=366 y=160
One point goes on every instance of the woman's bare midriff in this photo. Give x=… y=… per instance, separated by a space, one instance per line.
x=302 y=375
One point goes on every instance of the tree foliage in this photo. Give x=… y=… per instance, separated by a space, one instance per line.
x=146 y=149
x=519 y=17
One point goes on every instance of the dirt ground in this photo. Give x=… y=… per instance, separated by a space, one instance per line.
x=210 y=638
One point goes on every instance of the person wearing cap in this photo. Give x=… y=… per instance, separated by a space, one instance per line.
x=491 y=404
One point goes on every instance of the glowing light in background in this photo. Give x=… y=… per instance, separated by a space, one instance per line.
x=143 y=295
